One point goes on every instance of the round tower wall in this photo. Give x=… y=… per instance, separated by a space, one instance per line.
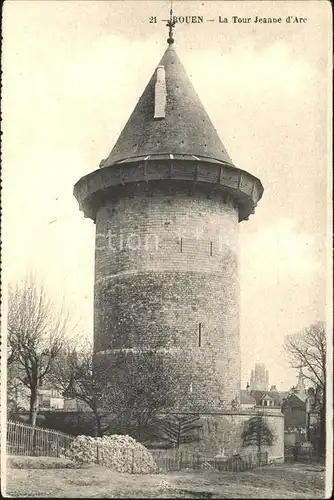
x=166 y=276
x=220 y=434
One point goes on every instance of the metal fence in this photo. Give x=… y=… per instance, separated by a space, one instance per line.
x=25 y=439
x=300 y=453
x=175 y=460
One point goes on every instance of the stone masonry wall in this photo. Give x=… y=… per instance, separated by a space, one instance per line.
x=221 y=434
x=166 y=274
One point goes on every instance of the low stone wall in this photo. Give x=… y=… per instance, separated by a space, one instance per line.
x=221 y=434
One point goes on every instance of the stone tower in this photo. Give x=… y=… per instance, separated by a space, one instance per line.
x=259 y=378
x=166 y=203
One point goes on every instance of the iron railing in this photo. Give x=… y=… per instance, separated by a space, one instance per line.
x=175 y=460
x=25 y=439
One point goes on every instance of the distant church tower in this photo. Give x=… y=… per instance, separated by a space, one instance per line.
x=169 y=198
x=259 y=378
x=300 y=390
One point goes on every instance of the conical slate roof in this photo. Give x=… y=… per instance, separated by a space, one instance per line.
x=186 y=128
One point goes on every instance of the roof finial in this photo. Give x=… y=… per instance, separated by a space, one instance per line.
x=170 y=24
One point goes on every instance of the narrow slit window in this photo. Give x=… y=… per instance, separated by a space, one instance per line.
x=211 y=246
x=199 y=334
x=181 y=245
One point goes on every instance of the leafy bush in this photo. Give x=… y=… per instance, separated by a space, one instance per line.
x=257 y=432
x=73 y=423
x=117 y=452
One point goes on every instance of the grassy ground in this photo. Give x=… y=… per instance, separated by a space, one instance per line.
x=275 y=481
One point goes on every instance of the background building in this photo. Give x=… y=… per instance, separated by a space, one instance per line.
x=259 y=380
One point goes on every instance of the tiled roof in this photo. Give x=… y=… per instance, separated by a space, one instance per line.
x=246 y=398
x=294 y=400
x=277 y=396
x=186 y=128
x=268 y=398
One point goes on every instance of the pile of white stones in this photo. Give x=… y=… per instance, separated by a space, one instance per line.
x=117 y=452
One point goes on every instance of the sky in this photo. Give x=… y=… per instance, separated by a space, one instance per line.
x=72 y=74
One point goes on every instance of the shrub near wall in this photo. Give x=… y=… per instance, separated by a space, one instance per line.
x=23 y=417
x=73 y=423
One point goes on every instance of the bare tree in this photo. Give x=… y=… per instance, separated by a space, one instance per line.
x=77 y=378
x=11 y=356
x=144 y=383
x=179 y=429
x=36 y=332
x=131 y=386
x=16 y=391
x=308 y=350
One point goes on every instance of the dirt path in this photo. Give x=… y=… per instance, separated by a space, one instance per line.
x=280 y=481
